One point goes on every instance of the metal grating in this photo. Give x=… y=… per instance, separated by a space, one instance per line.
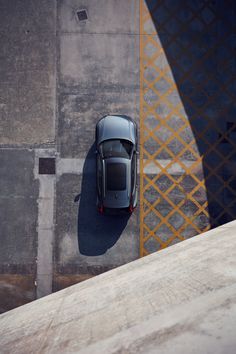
x=47 y=166
x=188 y=121
x=82 y=15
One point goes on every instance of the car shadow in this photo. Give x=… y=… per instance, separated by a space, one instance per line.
x=96 y=232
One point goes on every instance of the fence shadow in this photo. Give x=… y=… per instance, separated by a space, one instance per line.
x=199 y=44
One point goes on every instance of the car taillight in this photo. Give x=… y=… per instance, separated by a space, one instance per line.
x=131 y=208
x=101 y=209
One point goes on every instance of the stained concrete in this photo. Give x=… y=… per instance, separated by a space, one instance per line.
x=58 y=77
x=107 y=17
x=18 y=234
x=98 y=74
x=79 y=113
x=45 y=235
x=16 y=290
x=19 y=212
x=87 y=242
x=27 y=70
x=98 y=58
x=179 y=300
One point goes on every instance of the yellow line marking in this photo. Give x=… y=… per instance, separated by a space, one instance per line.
x=149 y=108
x=142 y=251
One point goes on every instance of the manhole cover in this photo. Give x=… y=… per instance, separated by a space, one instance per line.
x=47 y=166
x=82 y=15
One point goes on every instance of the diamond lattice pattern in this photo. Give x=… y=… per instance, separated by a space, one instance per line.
x=188 y=120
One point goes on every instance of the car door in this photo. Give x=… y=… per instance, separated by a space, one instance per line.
x=134 y=176
x=99 y=176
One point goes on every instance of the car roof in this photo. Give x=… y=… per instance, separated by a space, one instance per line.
x=117 y=184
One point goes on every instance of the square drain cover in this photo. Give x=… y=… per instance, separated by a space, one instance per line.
x=82 y=15
x=47 y=166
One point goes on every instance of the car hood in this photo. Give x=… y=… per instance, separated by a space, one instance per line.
x=118 y=198
x=115 y=127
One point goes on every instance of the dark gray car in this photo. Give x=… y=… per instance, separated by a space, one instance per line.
x=116 y=148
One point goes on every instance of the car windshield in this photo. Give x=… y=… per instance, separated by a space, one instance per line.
x=116 y=148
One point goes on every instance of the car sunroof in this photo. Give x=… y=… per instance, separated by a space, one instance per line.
x=116 y=176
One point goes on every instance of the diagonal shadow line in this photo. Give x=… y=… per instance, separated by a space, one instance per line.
x=207 y=67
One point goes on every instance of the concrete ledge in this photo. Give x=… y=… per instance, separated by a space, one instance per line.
x=179 y=300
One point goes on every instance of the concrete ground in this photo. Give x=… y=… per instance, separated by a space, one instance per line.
x=18 y=220
x=59 y=77
x=98 y=74
x=169 y=65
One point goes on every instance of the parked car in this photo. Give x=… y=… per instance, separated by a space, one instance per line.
x=116 y=167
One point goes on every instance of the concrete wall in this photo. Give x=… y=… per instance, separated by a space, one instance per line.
x=179 y=300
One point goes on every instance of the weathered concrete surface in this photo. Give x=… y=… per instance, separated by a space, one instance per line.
x=27 y=70
x=16 y=289
x=179 y=300
x=18 y=205
x=61 y=281
x=45 y=225
x=98 y=64
x=18 y=221
x=80 y=111
x=98 y=69
x=101 y=78
x=98 y=73
x=109 y=17
x=88 y=243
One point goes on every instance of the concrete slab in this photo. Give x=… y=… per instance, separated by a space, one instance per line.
x=107 y=17
x=18 y=231
x=19 y=212
x=16 y=290
x=45 y=235
x=88 y=243
x=98 y=74
x=27 y=69
x=45 y=224
x=80 y=112
x=99 y=70
x=29 y=15
x=18 y=220
x=99 y=60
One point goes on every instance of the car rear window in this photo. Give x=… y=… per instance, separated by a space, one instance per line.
x=116 y=148
x=116 y=176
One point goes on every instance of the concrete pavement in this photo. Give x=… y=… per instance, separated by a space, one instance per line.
x=59 y=76
x=170 y=66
